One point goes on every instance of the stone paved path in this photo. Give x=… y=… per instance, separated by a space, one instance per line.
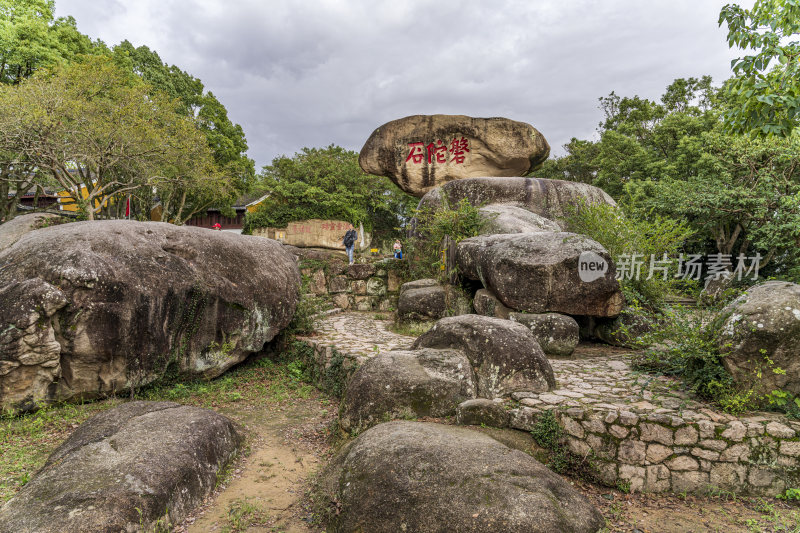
x=359 y=334
x=597 y=376
x=644 y=432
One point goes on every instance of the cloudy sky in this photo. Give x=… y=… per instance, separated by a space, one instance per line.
x=310 y=73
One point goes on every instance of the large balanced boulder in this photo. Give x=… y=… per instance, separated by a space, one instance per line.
x=125 y=469
x=557 y=334
x=127 y=301
x=551 y=199
x=544 y=272
x=421 y=152
x=759 y=333
x=502 y=218
x=425 y=478
x=505 y=355
x=405 y=383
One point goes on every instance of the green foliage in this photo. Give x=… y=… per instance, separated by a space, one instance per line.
x=31 y=38
x=91 y=125
x=674 y=159
x=424 y=251
x=682 y=346
x=225 y=139
x=301 y=360
x=765 y=90
x=243 y=514
x=624 y=235
x=789 y=494
x=547 y=431
x=785 y=402
x=328 y=184
x=743 y=194
x=307 y=312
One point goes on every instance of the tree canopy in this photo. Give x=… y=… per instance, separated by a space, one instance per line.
x=765 y=90
x=675 y=159
x=98 y=132
x=128 y=123
x=327 y=183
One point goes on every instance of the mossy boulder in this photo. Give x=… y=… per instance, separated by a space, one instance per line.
x=125 y=469
x=406 y=383
x=543 y=272
x=504 y=355
x=139 y=298
x=759 y=335
x=426 y=478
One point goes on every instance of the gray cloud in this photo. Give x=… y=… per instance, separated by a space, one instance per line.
x=313 y=73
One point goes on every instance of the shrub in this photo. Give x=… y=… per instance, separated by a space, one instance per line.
x=425 y=256
x=683 y=345
x=624 y=235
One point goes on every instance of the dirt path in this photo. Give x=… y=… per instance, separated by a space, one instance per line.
x=263 y=494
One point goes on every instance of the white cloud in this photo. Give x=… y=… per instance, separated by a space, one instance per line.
x=300 y=74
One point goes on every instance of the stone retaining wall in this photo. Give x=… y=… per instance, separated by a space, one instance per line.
x=361 y=287
x=330 y=368
x=656 y=452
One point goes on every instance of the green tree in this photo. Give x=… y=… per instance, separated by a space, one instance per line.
x=93 y=127
x=226 y=139
x=327 y=183
x=765 y=90
x=31 y=39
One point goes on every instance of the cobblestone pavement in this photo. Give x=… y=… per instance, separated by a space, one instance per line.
x=644 y=432
x=359 y=334
x=596 y=376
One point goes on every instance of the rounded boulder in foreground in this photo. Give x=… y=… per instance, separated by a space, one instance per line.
x=425 y=478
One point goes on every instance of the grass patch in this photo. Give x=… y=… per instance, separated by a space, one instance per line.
x=410 y=328
x=243 y=513
x=26 y=441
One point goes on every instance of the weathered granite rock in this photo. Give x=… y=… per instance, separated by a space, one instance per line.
x=424 y=151
x=763 y=323
x=139 y=297
x=360 y=271
x=11 y=231
x=422 y=477
x=715 y=288
x=29 y=353
x=423 y=303
x=557 y=334
x=502 y=218
x=419 y=284
x=481 y=411
x=426 y=299
x=551 y=199
x=504 y=355
x=403 y=383
x=624 y=330
x=539 y=272
x=487 y=304
x=157 y=458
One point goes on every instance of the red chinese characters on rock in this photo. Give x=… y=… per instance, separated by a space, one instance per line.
x=334 y=226
x=437 y=152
